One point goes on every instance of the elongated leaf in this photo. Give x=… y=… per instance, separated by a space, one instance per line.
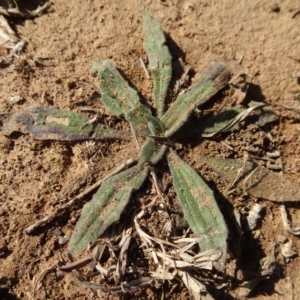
x=256 y=180
x=160 y=58
x=199 y=206
x=214 y=78
x=106 y=206
x=219 y=121
x=151 y=152
x=123 y=100
x=229 y=168
x=48 y=123
x=225 y=121
x=210 y=124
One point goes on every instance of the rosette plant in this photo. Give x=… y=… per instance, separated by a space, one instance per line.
x=159 y=126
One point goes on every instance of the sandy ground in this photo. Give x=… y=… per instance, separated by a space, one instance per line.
x=53 y=70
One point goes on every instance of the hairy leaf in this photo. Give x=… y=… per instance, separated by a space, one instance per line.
x=123 y=100
x=106 y=206
x=199 y=206
x=46 y=123
x=256 y=180
x=229 y=168
x=159 y=57
x=225 y=121
x=219 y=121
x=214 y=78
x=151 y=152
x=210 y=124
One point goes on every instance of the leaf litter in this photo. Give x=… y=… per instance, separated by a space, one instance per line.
x=208 y=228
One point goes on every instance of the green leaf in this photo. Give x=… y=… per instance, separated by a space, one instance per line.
x=46 y=123
x=106 y=207
x=229 y=168
x=123 y=100
x=219 y=121
x=258 y=181
x=214 y=78
x=199 y=206
x=151 y=152
x=210 y=124
x=117 y=95
x=160 y=60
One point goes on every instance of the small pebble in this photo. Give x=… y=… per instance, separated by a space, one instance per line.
x=57 y=232
x=63 y=240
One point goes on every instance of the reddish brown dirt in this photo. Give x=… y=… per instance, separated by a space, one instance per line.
x=36 y=176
